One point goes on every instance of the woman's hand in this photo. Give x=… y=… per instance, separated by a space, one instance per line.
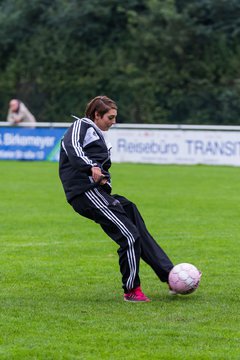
x=98 y=176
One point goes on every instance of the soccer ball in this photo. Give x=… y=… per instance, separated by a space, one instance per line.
x=184 y=278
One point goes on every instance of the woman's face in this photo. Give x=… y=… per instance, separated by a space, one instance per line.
x=107 y=120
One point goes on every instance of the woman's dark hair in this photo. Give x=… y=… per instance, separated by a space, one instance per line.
x=100 y=104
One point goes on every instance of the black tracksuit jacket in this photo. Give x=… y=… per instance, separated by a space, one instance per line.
x=82 y=147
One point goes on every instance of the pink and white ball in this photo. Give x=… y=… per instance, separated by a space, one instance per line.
x=184 y=278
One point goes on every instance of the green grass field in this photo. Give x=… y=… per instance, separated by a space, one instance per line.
x=61 y=295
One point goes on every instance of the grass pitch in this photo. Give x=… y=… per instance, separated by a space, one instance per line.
x=61 y=295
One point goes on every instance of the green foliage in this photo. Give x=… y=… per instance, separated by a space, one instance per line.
x=163 y=61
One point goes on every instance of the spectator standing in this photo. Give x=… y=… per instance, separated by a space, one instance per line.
x=19 y=113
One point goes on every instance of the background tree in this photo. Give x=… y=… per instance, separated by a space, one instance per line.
x=163 y=61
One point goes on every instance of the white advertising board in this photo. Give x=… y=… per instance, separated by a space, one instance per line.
x=139 y=143
x=175 y=146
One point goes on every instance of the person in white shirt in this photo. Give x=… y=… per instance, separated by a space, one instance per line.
x=18 y=113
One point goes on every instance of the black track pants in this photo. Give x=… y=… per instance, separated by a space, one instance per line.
x=121 y=220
